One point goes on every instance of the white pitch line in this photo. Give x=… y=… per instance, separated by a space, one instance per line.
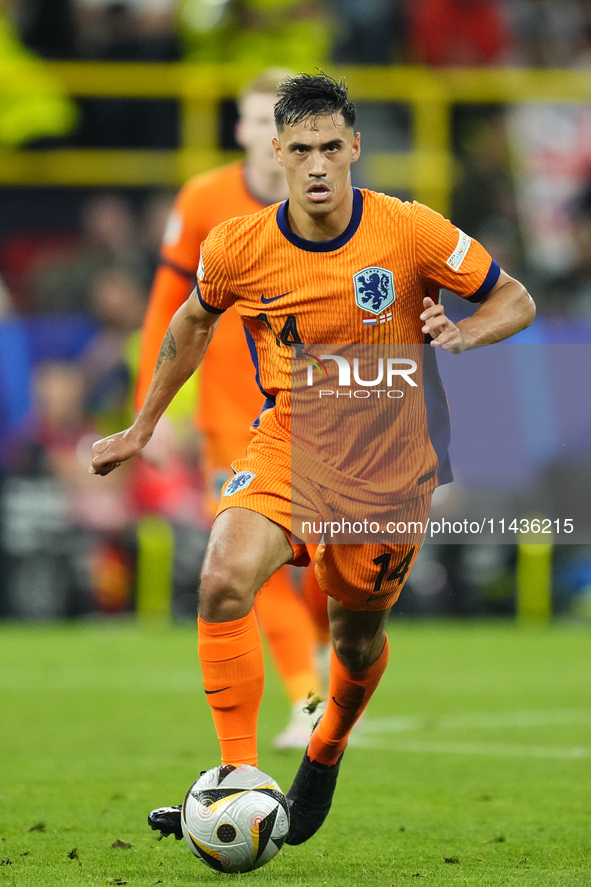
x=475 y=748
x=484 y=721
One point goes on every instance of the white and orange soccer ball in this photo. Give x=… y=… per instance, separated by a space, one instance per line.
x=235 y=819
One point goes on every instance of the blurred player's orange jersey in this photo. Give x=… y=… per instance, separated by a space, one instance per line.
x=203 y=203
x=367 y=287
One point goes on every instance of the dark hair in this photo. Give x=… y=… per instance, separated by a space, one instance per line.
x=312 y=95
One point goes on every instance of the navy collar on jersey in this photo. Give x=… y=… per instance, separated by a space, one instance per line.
x=322 y=246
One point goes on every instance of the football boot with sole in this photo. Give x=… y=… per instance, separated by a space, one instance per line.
x=166 y=820
x=310 y=798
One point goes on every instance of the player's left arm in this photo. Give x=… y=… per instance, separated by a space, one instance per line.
x=507 y=309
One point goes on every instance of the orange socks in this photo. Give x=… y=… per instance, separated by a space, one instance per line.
x=348 y=696
x=289 y=630
x=233 y=678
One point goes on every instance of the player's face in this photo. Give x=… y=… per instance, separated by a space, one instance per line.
x=317 y=154
x=256 y=129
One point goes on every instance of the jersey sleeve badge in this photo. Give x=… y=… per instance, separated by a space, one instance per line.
x=460 y=252
x=374 y=289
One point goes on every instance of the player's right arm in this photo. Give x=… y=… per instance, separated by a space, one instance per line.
x=181 y=352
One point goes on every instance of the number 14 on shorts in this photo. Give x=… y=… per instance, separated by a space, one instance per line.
x=397 y=575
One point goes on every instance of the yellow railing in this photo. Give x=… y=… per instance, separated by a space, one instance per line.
x=426 y=170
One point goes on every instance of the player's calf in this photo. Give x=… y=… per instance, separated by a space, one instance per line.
x=357 y=636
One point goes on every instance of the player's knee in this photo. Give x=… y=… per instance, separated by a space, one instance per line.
x=225 y=592
x=356 y=653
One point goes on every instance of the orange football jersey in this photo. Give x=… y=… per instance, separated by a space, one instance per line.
x=203 y=203
x=365 y=287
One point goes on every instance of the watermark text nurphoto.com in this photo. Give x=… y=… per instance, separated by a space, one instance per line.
x=493 y=526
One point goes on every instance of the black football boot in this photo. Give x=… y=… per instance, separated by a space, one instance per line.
x=310 y=798
x=166 y=820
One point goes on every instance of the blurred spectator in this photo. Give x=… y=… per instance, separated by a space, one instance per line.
x=290 y=33
x=551 y=147
x=5 y=300
x=548 y=32
x=369 y=32
x=583 y=54
x=108 y=237
x=108 y=224
x=126 y=30
x=63 y=535
x=484 y=197
x=59 y=420
x=569 y=294
x=459 y=32
x=118 y=303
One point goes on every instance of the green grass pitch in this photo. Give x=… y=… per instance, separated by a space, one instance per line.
x=473 y=765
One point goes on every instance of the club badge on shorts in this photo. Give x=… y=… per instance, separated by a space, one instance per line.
x=240 y=481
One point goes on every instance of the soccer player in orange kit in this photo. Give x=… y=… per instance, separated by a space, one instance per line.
x=303 y=261
x=230 y=399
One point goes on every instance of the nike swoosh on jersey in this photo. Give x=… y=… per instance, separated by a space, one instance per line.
x=375 y=597
x=274 y=298
x=209 y=692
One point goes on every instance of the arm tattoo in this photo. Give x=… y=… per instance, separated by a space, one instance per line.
x=167 y=350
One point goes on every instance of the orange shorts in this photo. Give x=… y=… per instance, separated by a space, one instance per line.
x=218 y=452
x=363 y=576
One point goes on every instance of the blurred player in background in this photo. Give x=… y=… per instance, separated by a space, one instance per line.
x=230 y=397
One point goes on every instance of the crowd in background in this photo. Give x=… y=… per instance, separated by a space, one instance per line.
x=522 y=186
x=523 y=173
x=432 y=32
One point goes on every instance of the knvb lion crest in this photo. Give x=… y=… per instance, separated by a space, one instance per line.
x=374 y=289
x=239 y=482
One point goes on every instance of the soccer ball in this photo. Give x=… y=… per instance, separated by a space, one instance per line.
x=235 y=819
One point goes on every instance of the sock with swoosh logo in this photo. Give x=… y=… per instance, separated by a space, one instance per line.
x=231 y=657
x=348 y=696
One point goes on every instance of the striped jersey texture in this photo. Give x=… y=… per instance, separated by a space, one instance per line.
x=364 y=288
